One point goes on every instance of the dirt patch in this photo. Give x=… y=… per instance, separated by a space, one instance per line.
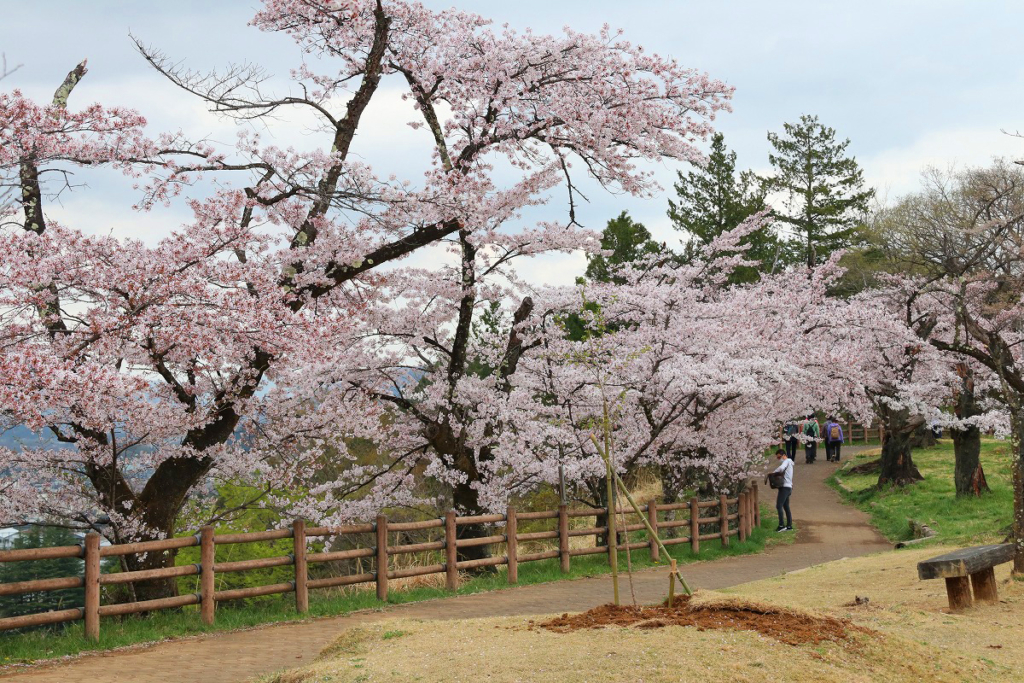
x=869 y=467
x=783 y=625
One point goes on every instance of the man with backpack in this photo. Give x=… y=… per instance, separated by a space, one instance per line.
x=789 y=432
x=811 y=432
x=833 y=439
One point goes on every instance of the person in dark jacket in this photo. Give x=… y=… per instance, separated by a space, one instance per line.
x=811 y=433
x=789 y=437
x=785 y=491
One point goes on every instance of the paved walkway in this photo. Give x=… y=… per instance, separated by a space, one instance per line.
x=826 y=530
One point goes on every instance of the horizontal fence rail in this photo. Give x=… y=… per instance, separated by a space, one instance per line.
x=733 y=517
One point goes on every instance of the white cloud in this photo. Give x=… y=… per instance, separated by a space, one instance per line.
x=897 y=171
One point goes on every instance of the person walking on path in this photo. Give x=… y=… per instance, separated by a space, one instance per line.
x=789 y=437
x=811 y=432
x=785 y=491
x=833 y=439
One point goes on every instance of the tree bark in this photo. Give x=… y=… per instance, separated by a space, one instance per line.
x=923 y=438
x=896 y=465
x=155 y=588
x=968 y=475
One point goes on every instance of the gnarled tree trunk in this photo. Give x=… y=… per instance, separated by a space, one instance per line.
x=968 y=475
x=896 y=464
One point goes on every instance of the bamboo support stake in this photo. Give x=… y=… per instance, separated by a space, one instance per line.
x=382 y=558
x=652 y=518
x=92 y=586
x=207 y=551
x=672 y=583
x=512 y=545
x=723 y=514
x=647 y=525
x=451 y=553
x=563 y=537
x=301 y=567
x=694 y=526
x=613 y=539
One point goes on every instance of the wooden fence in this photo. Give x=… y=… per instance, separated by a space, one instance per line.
x=730 y=523
x=854 y=431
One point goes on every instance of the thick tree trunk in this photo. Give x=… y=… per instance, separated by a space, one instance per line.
x=669 y=494
x=157 y=588
x=923 y=438
x=466 y=502
x=599 y=491
x=968 y=475
x=896 y=464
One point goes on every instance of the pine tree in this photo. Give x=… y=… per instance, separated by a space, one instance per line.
x=712 y=200
x=825 y=188
x=628 y=241
x=41 y=601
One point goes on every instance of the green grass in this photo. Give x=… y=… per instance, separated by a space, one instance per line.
x=956 y=521
x=36 y=645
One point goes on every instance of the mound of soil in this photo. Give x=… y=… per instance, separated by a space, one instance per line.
x=792 y=628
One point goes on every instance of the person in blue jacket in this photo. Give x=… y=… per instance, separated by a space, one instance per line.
x=833 y=439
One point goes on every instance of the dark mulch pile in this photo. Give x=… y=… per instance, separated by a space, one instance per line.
x=792 y=628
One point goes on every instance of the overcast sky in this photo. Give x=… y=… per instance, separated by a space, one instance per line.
x=910 y=82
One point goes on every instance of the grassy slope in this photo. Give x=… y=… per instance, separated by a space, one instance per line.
x=912 y=639
x=26 y=647
x=957 y=521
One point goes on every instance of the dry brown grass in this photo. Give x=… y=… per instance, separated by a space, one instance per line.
x=918 y=641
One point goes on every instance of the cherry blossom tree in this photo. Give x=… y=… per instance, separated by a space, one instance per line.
x=965 y=230
x=693 y=374
x=243 y=344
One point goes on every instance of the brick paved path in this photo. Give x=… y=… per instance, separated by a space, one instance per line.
x=827 y=530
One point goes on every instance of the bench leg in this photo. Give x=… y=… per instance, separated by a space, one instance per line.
x=958 y=590
x=984 y=583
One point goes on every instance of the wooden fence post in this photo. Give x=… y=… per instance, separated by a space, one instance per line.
x=694 y=527
x=382 y=558
x=652 y=519
x=92 y=586
x=207 y=552
x=757 y=506
x=301 y=567
x=750 y=512
x=741 y=515
x=451 y=553
x=723 y=514
x=512 y=545
x=563 y=537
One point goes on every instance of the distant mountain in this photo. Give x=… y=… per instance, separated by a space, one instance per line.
x=21 y=436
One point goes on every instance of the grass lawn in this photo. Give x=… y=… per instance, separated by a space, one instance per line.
x=957 y=521
x=117 y=632
x=910 y=638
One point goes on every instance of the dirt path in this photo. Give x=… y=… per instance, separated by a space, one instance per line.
x=826 y=530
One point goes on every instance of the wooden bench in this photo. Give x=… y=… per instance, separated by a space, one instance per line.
x=976 y=563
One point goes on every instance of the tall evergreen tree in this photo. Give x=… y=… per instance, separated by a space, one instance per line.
x=41 y=601
x=713 y=199
x=826 y=197
x=627 y=240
